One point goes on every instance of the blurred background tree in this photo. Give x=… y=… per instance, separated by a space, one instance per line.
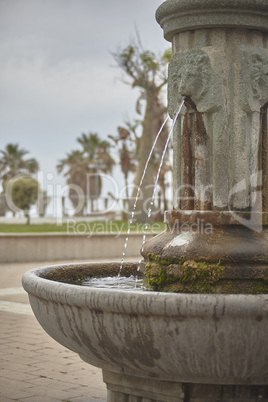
x=147 y=71
x=12 y=164
x=83 y=171
x=23 y=192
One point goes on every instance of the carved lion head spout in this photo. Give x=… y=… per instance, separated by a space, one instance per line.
x=189 y=76
x=254 y=72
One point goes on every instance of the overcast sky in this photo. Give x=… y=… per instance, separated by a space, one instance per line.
x=57 y=76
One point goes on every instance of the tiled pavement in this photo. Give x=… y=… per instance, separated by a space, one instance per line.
x=34 y=367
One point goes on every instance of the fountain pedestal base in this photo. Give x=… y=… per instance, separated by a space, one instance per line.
x=124 y=388
x=220 y=255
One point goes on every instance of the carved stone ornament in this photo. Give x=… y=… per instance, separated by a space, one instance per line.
x=253 y=78
x=191 y=75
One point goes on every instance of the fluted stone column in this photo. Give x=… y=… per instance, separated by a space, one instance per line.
x=220 y=148
x=220 y=68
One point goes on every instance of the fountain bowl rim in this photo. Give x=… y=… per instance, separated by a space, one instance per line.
x=124 y=301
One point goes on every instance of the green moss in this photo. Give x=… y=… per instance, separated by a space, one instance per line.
x=260 y=287
x=158 y=277
x=202 y=271
x=190 y=276
x=199 y=277
x=177 y=260
x=165 y=261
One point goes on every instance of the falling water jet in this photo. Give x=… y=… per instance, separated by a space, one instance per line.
x=139 y=189
x=159 y=169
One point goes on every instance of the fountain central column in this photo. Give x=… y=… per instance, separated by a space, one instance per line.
x=220 y=150
x=220 y=170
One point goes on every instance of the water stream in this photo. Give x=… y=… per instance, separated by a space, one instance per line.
x=139 y=189
x=160 y=167
x=155 y=182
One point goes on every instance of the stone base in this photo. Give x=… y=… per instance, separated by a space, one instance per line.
x=226 y=259
x=127 y=388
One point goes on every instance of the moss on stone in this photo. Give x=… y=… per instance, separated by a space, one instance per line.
x=157 y=278
x=260 y=287
x=164 y=260
x=197 y=276
x=193 y=276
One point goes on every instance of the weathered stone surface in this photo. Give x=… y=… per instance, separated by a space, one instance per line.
x=75 y=273
x=202 y=276
x=219 y=66
x=178 y=16
x=141 y=389
x=220 y=150
x=164 y=336
x=233 y=245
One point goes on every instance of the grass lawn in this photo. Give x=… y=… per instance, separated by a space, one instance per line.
x=82 y=227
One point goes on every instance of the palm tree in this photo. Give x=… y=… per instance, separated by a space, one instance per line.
x=99 y=160
x=126 y=144
x=90 y=144
x=75 y=168
x=12 y=163
x=97 y=152
x=106 y=162
x=83 y=168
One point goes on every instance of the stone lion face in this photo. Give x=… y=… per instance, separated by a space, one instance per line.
x=189 y=75
x=259 y=77
x=253 y=77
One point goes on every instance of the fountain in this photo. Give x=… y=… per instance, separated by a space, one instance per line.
x=204 y=337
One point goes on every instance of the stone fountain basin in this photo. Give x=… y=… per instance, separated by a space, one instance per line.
x=198 y=338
